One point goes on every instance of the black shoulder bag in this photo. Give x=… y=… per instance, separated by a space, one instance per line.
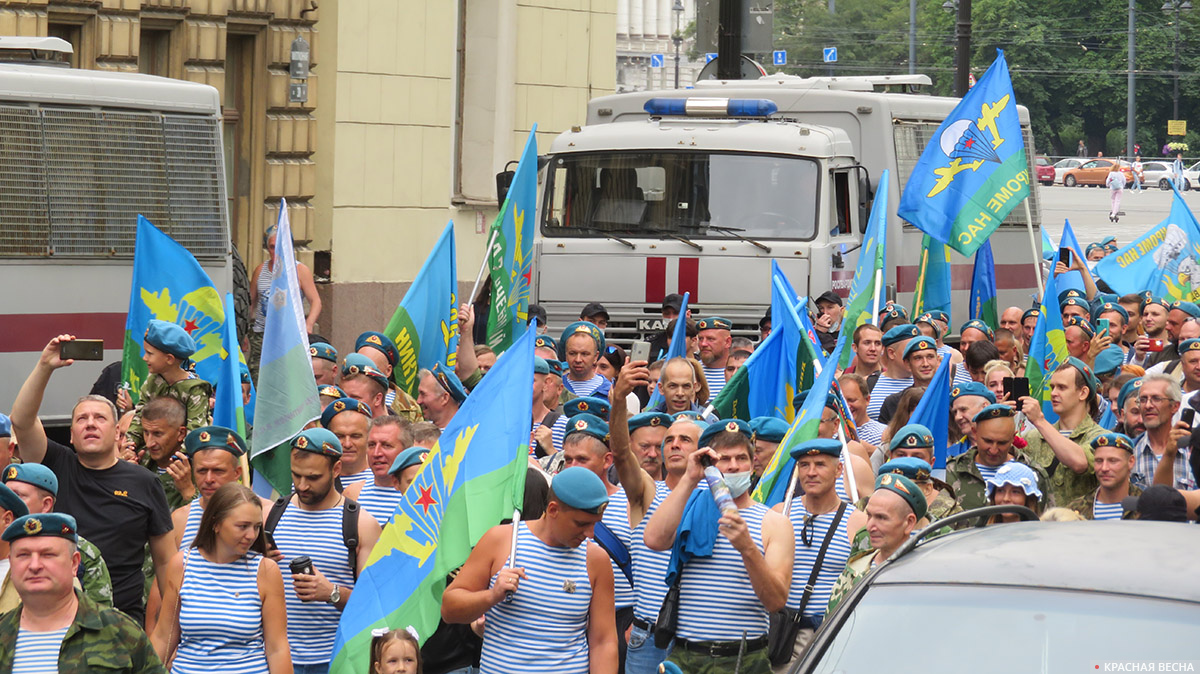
x=785 y=624
x=668 y=615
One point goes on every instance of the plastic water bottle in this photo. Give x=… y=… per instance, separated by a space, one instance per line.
x=720 y=490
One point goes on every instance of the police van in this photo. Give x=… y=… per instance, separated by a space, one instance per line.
x=698 y=190
x=83 y=152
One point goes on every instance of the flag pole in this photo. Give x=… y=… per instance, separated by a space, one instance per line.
x=1037 y=252
x=512 y=550
x=851 y=485
x=483 y=265
x=875 y=300
x=790 y=494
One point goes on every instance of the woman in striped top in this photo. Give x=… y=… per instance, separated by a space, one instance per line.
x=224 y=607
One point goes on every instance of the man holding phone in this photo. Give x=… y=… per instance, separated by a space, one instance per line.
x=1154 y=346
x=1063 y=448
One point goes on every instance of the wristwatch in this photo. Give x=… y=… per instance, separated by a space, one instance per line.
x=335 y=596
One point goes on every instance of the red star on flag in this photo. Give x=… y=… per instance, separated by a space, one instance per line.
x=969 y=142
x=190 y=326
x=426 y=499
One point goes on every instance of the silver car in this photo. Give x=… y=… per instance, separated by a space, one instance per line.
x=1064 y=165
x=1160 y=174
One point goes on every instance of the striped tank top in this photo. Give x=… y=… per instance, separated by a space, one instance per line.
x=266 y=276
x=840 y=486
x=195 y=512
x=558 y=432
x=363 y=475
x=616 y=517
x=806 y=556
x=380 y=502
x=716 y=600
x=884 y=387
x=318 y=534
x=37 y=652
x=715 y=377
x=544 y=629
x=220 y=617
x=987 y=472
x=649 y=566
x=1107 y=511
x=586 y=388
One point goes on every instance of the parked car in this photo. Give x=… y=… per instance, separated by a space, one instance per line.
x=1045 y=171
x=1094 y=172
x=1191 y=174
x=1161 y=174
x=1028 y=596
x=1064 y=165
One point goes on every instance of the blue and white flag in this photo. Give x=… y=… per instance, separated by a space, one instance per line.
x=1164 y=260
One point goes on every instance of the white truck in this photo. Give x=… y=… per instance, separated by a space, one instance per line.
x=698 y=190
x=82 y=153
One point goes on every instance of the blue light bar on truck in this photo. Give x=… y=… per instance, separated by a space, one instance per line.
x=710 y=107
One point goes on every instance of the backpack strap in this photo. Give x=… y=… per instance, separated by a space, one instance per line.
x=607 y=539
x=274 y=515
x=350 y=511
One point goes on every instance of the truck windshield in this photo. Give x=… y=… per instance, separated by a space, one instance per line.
x=681 y=194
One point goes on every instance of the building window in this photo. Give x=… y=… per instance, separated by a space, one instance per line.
x=154 y=52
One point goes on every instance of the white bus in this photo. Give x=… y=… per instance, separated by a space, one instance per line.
x=82 y=153
x=684 y=190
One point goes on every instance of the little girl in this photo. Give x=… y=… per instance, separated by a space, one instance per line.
x=395 y=652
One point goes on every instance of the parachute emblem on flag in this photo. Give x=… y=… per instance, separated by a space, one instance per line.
x=965 y=144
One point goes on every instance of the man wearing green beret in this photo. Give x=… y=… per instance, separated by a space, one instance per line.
x=56 y=627
x=893 y=511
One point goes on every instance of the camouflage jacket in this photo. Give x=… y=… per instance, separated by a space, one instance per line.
x=967 y=482
x=174 y=498
x=405 y=406
x=193 y=392
x=1065 y=484
x=1085 y=504
x=856 y=567
x=100 y=640
x=943 y=506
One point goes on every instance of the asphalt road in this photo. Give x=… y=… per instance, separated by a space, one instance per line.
x=1087 y=208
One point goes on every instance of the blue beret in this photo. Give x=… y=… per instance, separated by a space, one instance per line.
x=356 y=364
x=1087 y=373
x=170 y=338
x=540 y=366
x=244 y=371
x=5 y=426
x=826 y=446
x=1111 y=307
x=972 y=388
x=1091 y=247
x=331 y=391
x=588 y=424
x=899 y=333
x=912 y=435
x=1016 y=474
x=892 y=312
x=1071 y=293
x=42 y=524
x=11 y=502
x=714 y=323
x=1188 y=308
x=688 y=415
x=1128 y=388
x=32 y=473
x=938 y=315
x=1147 y=301
x=581 y=489
x=344 y=405
x=318 y=441
x=556 y=367
x=1187 y=345
x=1081 y=323
x=649 y=419
x=722 y=426
x=589 y=404
x=994 y=412
x=1030 y=313
x=1109 y=241
x=921 y=343
x=579 y=327
x=830 y=400
x=410 y=457
x=905 y=489
x=1111 y=359
x=449 y=381
x=1118 y=440
x=1144 y=297
x=214 y=437
x=976 y=324
x=380 y=342
x=911 y=467
x=323 y=351
x=545 y=342
x=771 y=429
x=1075 y=302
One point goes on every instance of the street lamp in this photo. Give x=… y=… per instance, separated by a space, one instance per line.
x=677 y=38
x=962 y=35
x=1176 y=6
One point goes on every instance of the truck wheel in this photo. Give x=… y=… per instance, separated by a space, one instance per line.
x=241 y=295
x=1069 y=181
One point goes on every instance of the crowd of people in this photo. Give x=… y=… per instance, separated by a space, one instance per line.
x=139 y=547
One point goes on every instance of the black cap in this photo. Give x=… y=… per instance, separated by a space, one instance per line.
x=673 y=301
x=536 y=311
x=593 y=309
x=762 y=322
x=829 y=296
x=1160 y=502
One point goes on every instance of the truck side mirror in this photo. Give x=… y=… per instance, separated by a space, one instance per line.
x=504 y=181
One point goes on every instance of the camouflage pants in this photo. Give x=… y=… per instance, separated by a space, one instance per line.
x=755 y=662
x=252 y=358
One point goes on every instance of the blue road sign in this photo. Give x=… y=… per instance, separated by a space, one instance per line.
x=830 y=54
x=708 y=56
x=656 y=60
x=779 y=57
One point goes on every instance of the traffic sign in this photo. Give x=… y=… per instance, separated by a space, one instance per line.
x=656 y=60
x=830 y=54
x=709 y=56
x=779 y=57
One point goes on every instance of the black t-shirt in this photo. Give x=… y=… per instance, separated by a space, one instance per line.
x=119 y=509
